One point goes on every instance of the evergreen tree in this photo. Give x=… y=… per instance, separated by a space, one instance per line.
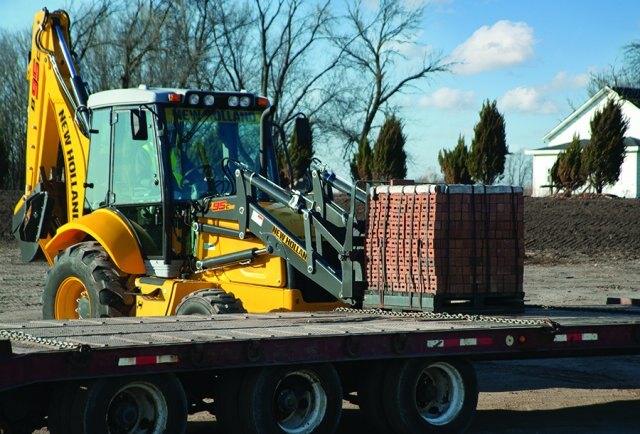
x=453 y=164
x=300 y=156
x=283 y=164
x=570 y=174
x=555 y=179
x=605 y=152
x=361 y=163
x=489 y=147
x=389 y=157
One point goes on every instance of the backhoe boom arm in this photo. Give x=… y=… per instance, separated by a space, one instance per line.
x=57 y=142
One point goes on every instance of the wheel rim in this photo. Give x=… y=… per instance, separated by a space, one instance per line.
x=137 y=408
x=439 y=393
x=300 y=402
x=72 y=300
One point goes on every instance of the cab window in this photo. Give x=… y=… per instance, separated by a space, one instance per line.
x=136 y=177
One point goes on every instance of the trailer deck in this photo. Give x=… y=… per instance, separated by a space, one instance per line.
x=120 y=346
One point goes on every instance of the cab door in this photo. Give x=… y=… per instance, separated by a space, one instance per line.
x=123 y=172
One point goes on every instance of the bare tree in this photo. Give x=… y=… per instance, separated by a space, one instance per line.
x=188 y=46
x=431 y=176
x=372 y=54
x=13 y=114
x=279 y=48
x=236 y=63
x=116 y=40
x=627 y=74
x=517 y=170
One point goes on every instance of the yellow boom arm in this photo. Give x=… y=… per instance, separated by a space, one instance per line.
x=57 y=129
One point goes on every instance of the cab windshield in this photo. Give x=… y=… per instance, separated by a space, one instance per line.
x=203 y=144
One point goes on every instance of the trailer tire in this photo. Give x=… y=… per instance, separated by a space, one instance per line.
x=291 y=400
x=434 y=396
x=127 y=405
x=370 y=398
x=60 y=418
x=209 y=302
x=85 y=283
x=226 y=400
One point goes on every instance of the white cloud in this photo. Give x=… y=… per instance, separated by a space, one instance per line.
x=527 y=99
x=563 y=80
x=449 y=99
x=504 y=44
x=539 y=99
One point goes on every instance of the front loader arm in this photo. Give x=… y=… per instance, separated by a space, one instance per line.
x=323 y=221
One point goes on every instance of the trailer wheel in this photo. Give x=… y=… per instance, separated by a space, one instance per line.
x=291 y=400
x=209 y=302
x=370 y=398
x=138 y=405
x=430 y=396
x=226 y=400
x=60 y=418
x=84 y=283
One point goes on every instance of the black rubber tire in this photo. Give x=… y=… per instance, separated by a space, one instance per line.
x=209 y=302
x=401 y=390
x=105 y=285
x=370 y=398
x=60 y=418
x=226 y=400
x=261 y=389
x=97 y=410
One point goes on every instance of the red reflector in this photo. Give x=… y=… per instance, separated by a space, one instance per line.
x=175 y=97
x=262 y=102
x=147 y=360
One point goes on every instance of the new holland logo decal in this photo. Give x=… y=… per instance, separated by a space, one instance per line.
x=297 y=249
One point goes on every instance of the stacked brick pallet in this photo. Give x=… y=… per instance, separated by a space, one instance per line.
x=440 y=247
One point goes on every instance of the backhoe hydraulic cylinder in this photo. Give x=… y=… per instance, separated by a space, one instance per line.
x=79 y=90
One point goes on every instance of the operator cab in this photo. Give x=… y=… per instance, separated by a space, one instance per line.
x=153 y=152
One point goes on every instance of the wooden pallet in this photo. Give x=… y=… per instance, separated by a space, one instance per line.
x=477 y=304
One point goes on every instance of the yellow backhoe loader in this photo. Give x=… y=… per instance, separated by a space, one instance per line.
x=155 y=201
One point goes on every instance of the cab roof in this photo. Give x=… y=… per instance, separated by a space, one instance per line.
x=140 y=95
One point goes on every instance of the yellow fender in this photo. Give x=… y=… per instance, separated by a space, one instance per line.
x=107 y=228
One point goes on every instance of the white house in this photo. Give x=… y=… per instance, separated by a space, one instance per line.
x=579 y=123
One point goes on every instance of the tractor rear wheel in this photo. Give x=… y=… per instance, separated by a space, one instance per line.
x=85 y=283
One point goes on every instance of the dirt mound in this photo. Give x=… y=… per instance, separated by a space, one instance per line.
x=556 y=229
x=571 y=228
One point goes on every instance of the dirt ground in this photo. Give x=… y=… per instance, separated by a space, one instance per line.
x=578 y=251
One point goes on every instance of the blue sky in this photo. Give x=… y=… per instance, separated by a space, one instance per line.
x=533 y=56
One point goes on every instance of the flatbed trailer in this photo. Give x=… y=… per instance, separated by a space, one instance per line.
x=280 y=372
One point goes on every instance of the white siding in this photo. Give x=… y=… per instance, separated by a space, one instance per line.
x=540 y=173
x=627 y=185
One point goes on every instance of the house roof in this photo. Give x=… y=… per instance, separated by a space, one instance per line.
x=591 y=102
x=629 y=94
x=628 y=141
